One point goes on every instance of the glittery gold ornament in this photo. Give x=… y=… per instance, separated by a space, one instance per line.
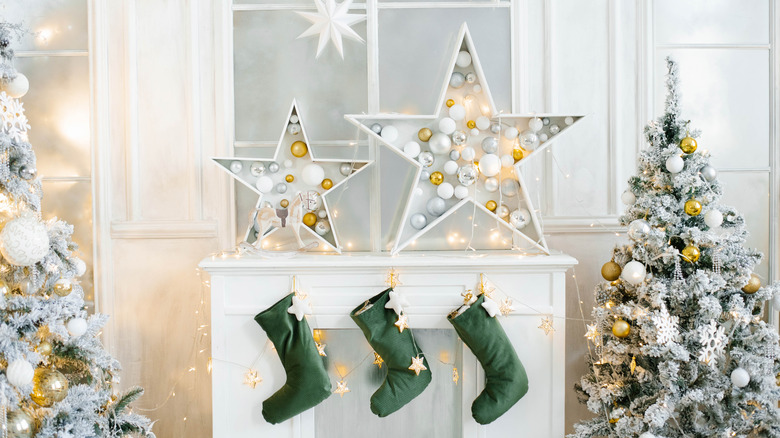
x=299 y=149
x=309 y=219
x=753 y=285
x=4 y=289
x=284 y=203
x=691 y=254
x=436 y=178
x=289 y=178
x=63 y=287
x=517 y=154
x=424 y=134
x=692 y=207
x=688 y=145
x=450 y=102
x=327 y=183
x=491 y=205
x=611 y=271
x=621 y=329
x=44 y=348
x=49 y=387
x=20 y=424
x=471 y=124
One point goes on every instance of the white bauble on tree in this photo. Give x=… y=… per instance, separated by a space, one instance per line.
x=77 y=326
x=634 y=272
x=17 y=87
x=19 y=373
x=713 y=218
x=24 y=241
x=740 y=377
x=675 y=164
x=647 y=435
x=628 y=197
x=80 y=265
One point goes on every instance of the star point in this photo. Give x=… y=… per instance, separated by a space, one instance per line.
x=402 y=323
x=417 y=365
x=252 y=379
x=341 y=388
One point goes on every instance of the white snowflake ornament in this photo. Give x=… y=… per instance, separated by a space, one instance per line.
x=713 y=341
x=666 y=327
x=14 y=122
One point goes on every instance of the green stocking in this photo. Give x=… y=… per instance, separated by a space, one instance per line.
x=307 y=379
x=397 y=350
x=506 y=381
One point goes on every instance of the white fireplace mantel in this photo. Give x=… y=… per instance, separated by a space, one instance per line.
x=432 y=282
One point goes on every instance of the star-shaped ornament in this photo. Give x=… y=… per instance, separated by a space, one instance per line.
x=459 y=164
x=392 y=280
x=299 y=308
x=417 y=365
x=402 y=323
x=455 y=375
x=593 y=334
x=397 y=302
x=332 y=22
x=491 y=307
x=547 y=325
x=292 y=188
x=484 y=288
x=252 y=379
x=321 y=349
x=506 y=307
x=378 y=361
x=341 y=388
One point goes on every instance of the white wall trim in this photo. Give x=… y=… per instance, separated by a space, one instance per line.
x=164 y=230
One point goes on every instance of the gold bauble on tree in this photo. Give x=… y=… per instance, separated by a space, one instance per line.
x=45 y=348
x=621 y=329
x=491 y=205
x=299 y=149
x=692 y=207
x=450 y=102
x=49 y=386
x=753 y=285
x=436 y=178
x=691 y=254
x=309 y=219
x=4 y=289
x=20 y=424
x=611 y=271
x=327 y=183
x=63 y=288
x=688 y=145
x=289 y=178
x=284 y=203
x=424 y=134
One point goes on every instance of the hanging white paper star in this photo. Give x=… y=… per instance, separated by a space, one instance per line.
x=397 y=302
x=417 y=365
x=332 y=22
x=300 y=307
x=491 y=307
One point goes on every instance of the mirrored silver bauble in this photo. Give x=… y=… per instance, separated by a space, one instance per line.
x=436 y=206
x=529 y=139
x=502 y=211
x=235 y=167
x=638 y=229
x=545 y=121
x=509 y=187
x=457 y=80
x=426 y=159
x=322 y=227
x=273 y=167
x=26 y=287
x=490 y=145
x=257 y=168
x=520 y=218
x=495 y=128
x=468 y=174
x=471 y=77
x=709 y=173
x=376 y=128
x=345 y=169
x=418 y=221
x=554 y=129
x=20 y=424
x=294 y=129
x=281 y=188
x=458 y=137
x=28 y=172
x=535 y=124
x=491 y=184
x=454 y=155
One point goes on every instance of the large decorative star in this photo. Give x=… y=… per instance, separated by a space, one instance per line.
x=417 y=365
x=461 y=162
x=277 y=181
x=332 y=22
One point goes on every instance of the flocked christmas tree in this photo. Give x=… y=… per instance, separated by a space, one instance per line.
x=55 y=377
x=678 y=345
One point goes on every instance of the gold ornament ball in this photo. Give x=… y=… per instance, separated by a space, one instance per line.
x=327 y=184
x=471 y=124
x=688 y=145
x=611 y=271
x=49 y=387
x=692 y=207
x=309 y=219
x=284 y=203
x=20 y=424
x=424 y=134
x=753 y=285
x=517 y=154
x=299 y=149
x=691 y=254
x=63 y=289
x=621 y=329
x=289 y=178
x=491 y=205
x=44 y=348
x=436 y=178
x=450 y=102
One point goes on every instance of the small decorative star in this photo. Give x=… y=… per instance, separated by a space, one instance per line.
x=468 y=297
x=341 y=388
x=332 y=22
x=397 y=302
x=300 y=307
x=547 y=325
x=491 y=307
x=506 y=307
x=485 y=289
x=455 y=375
x=252 y=379
x=417 y=365
x=378 y=361
x=402 y=323
x=392 y=279
x=593 y=334
x=321 y=349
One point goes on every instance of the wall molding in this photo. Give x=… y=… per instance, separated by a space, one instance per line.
x=164 y=230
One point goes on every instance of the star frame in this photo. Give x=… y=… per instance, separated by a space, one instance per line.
x=283 y=154
x=464 y=216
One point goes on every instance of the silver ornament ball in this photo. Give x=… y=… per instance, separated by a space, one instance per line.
x=509 y=187
x=554 y=129
x=294 y=129
x=495 y=128
x=520 y=218
x=418 y=221
x=457 y=80
x=273 y=167
x=491 y=184
x=468 y=174
x=454 y=155
x=639 y=229
x=345 y=169
x=709 y=173
x=471 y=77
x=490 y=145
x=322 y=227
x=257 y=168
x=529 y=139
x=436 y=206
x=425 y=158
x=28 y=172
x=235 y=167
x=458 y=137
x=281 y=188
x=376 y=128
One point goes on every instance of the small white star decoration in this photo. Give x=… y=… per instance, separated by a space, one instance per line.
x=491 y=307
x=417 y=365
x=341 y=388
x=332 y=22
x=321 y=349
x=547 y=325
x=397 y=302
x=252 y=379
x=402 y=323
x=300 y=306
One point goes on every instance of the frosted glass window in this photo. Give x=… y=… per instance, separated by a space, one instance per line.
x=54 y=24
x=272 y=67
x=711 y=22
x=414 y=55
x=729 y=103
x=58 y=108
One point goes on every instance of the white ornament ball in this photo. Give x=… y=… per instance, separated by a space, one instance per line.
x=322 y=214
x=447 y=125
x=491 y=185
x=474 y=132
x=740 y=377
x=77 y=326
x=507 y=160
x=19 y=373
x=675 y=164
x=628 y=197
x=412 y=149
x=461 y=192
x=451 y=167
x=457 y=112
x=313 y=174
x=457 y=80
x=468 y=153
x=464 y=59
x=483 y=123
x=440 y=143
x=477 y=89
x=288 y=164
x=445 y=190
x=454 y=155
x=436 y=206
x=345 y=169
x=490 y=165
x=502 y=211
x=264 y=184
x=24 y=241
x=236 y=166
x=568 y=120
x=634 y=272
x=511 y=133
x=520 y=218
x=294 y=118
x=390 y=133
x=535 y=124
x=418 y=221
x=509 y=187
x=647 y=435
x=322 y=227
x=543 y=137
x=639 y=229
x=81 y=267
x=17 y=87
x=713 y=218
